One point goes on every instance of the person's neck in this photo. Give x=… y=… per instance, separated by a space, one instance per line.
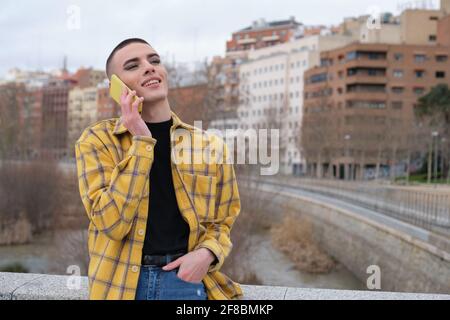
x=158 y=111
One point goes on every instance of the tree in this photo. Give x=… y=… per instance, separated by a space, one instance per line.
x=9 y=120
x=434 y=108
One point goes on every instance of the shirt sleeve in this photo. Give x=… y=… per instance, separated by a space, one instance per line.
x=111 y=192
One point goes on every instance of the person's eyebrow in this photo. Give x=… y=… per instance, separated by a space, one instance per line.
x=137 y=59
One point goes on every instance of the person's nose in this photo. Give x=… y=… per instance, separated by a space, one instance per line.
x=148 y=68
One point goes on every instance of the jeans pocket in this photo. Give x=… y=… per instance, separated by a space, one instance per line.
x=193 y=283
x=193 y=290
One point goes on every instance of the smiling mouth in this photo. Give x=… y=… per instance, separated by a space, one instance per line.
x=151 y=83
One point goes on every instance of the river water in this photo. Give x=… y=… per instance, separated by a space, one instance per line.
x=270 y=265
x=274 y=268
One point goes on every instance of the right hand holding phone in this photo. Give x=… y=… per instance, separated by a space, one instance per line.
x=131 y=118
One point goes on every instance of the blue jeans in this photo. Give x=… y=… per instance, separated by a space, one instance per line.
x=156 y=284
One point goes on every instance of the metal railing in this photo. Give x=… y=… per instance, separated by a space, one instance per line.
x=428 y=209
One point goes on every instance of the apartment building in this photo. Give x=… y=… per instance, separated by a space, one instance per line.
x=223 y=78
x=106 y=106
x=54 y=119
x=82 y=112
x=271 y=92
x=359 y=104
x=88 y=77
x=263 y=34
x=222 y=91
x=413 y=26
x=30 y=123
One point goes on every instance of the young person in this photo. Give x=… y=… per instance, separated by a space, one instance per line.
x=159 y=228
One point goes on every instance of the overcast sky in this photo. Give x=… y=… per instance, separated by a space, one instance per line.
x=37 y=34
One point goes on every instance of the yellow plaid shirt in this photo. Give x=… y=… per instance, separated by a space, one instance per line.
x=113 y=169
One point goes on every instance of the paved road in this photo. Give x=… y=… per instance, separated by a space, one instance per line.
x=414 y=231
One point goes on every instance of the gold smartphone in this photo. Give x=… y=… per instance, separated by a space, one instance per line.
x=116 y=89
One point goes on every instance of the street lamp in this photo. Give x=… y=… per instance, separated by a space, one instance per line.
x=347 y=155
x=435 y=134
x=443 y=154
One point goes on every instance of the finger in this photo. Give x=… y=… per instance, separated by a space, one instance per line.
x=135 y=105
x=123 y=97
x=129 y=100
x=173 y=264
x=124 y=93
x=130 y=97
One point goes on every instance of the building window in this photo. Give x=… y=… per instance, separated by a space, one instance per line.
x=432 y=38
x=397 y=90
x=419 y=90
x=419 y=73
x=440 y=74
x=321 y=77
x=398 y=73
x=441 y=58
x=351 y=55
x=397 y=104
x=398 y=56
x=420 y=57
x=356 y=104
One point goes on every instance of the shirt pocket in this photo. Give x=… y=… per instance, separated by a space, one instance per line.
x=202 y=192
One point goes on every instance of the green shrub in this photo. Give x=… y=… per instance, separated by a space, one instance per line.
x=14 y=267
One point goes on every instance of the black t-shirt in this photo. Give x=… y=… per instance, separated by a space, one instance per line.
x=167 y=231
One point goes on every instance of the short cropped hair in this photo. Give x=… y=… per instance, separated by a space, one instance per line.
x=121 y=45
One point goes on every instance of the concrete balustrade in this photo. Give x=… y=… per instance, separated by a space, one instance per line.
x=25 y=286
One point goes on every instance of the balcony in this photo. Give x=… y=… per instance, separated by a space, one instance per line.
x=368 y=91
x=271 y=38
x=247 y=41
x=366 y=88
x=366 y=75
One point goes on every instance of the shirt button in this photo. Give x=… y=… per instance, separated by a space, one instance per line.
x=149 y=148
x=135 y=269
x=141 y=232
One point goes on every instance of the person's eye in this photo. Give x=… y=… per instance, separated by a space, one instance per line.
x=131 y=67
x=156 y=61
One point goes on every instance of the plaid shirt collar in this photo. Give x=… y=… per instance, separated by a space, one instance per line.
x=120 y=127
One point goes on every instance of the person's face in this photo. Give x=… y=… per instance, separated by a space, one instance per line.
x=135 y=64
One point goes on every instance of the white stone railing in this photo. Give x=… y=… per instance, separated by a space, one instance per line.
x=26 y=286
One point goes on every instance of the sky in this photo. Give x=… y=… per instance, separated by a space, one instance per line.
x=37 y=34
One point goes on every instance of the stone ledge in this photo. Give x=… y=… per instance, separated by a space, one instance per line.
x=24 y=286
